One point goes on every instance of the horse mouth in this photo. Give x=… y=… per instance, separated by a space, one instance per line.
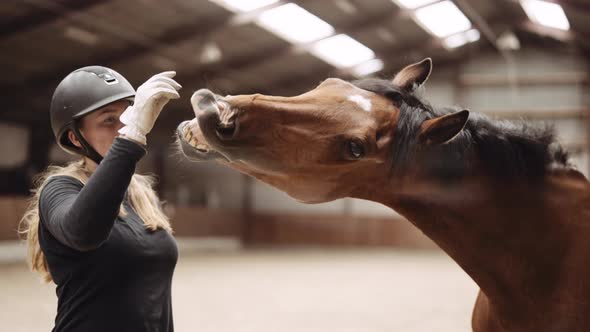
x=193 y=139
x=193 y=144
x=214 y=129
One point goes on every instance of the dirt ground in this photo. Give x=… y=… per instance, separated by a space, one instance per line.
x=287 y=290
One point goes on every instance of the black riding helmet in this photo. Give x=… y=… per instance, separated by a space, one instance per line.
x=84 y=91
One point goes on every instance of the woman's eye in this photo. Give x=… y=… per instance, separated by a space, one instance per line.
x=355 y=150
x=110 y=119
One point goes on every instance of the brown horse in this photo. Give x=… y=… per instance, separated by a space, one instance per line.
x=498 y=197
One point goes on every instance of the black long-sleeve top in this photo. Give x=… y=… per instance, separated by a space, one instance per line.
x=112 y=274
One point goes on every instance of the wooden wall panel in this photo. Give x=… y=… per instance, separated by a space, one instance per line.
x=11 y=211
x=275 y=229
x=304 y=229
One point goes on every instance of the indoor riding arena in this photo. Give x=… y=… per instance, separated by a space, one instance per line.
x=308 y=205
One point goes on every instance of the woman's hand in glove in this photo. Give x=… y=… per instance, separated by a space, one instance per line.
x=150 y=98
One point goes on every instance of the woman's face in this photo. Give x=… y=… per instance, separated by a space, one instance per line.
x=100 y=127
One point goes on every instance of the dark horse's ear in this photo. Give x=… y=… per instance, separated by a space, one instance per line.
x=413 y=76
x=443 y=129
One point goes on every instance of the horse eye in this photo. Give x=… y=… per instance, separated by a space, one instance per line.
x=355 y=149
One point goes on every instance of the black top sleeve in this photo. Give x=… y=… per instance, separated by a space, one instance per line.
x=81 y=216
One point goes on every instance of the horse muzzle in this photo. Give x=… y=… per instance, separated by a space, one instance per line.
x=214 y=128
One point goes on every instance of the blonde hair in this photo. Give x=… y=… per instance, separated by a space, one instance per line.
x=142 y=199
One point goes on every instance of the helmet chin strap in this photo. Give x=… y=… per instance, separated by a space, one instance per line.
x=87 y=149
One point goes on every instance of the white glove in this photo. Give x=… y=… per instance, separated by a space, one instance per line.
x=150 y=98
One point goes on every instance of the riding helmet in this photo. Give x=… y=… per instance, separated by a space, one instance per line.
x=84 y=91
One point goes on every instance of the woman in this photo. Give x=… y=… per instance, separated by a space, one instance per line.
x=94 y=227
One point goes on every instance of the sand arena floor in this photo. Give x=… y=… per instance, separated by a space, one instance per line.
x=287 y=290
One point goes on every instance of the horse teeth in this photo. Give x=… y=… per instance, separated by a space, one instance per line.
x=188 y=135
x=202 y=147
x=193 y=141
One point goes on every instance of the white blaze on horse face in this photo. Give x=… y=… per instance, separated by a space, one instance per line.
x=363 y=102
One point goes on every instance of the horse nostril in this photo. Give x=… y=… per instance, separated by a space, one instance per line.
x=226 y=131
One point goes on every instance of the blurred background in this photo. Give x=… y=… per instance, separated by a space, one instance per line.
x=253 y=259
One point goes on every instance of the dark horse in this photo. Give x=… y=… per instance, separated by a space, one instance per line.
x=498 y=197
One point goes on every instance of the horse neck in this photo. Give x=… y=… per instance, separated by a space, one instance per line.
x=503 y=235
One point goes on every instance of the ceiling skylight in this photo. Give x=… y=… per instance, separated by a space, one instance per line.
x=546 y=13
x=367 y=68
x=342 y=51
x=294 y=24
x=242 y=6
x=442 y=19
x=461 y=38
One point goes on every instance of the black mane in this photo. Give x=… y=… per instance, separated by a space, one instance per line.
x=504 y=148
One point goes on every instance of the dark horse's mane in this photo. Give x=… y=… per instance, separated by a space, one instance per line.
x=505 y=148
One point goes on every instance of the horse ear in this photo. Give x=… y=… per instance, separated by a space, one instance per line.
x=413 y=76
x=443 y=129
